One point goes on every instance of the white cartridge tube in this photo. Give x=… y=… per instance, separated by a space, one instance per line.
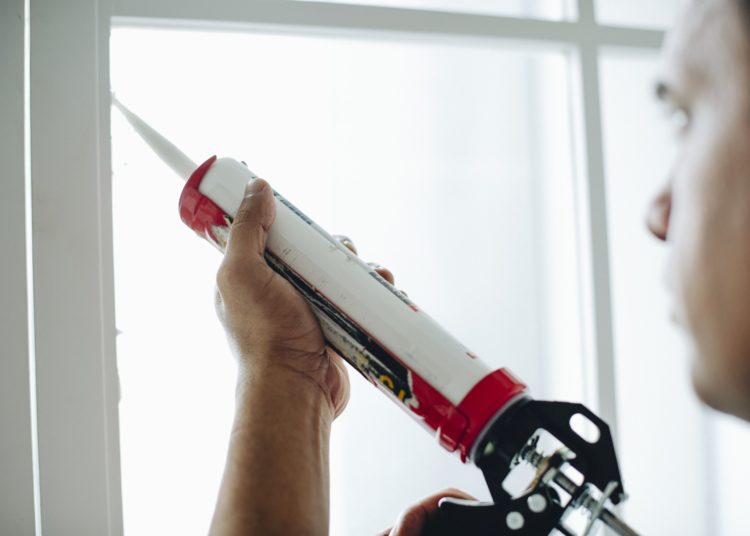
x=385 y=336
x=375 y=327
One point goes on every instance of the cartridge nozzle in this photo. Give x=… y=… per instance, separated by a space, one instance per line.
x=167 y=151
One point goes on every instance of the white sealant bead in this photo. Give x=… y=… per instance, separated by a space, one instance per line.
x=537 y=503
x=514 y=520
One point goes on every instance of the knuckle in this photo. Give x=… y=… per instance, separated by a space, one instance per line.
x=249 y=229
x=250 y=276
x=218 y=304
x=221 y=279
x=248 y=215
x=228 y=276
x=412 y=519
x=246 y=209
x=244 y=213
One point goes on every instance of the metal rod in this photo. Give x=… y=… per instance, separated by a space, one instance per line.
x=616 y=524
x=609 y=519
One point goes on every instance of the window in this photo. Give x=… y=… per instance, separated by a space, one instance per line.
x=376 y=117
x=427 y=153
x=650 y=353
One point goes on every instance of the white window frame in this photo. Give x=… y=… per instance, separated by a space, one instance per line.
x=58 y=379
x=17 y=501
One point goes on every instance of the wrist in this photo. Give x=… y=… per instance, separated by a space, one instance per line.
x=278 y=456
x=282 y=389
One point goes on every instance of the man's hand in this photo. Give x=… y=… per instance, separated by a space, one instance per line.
x=416 y=520
x=290 y=388
x=271 y=328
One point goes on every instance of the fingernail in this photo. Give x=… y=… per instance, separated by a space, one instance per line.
x=254 y=186
x=346 y=241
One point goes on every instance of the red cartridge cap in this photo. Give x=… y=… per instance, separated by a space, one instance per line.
x=196 y=210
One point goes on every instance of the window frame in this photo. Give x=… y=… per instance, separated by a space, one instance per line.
x=74 y=347
x=18 y=507
x=63 y=365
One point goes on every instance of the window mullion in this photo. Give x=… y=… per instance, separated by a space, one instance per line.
x=587 y=12
x=595 y=262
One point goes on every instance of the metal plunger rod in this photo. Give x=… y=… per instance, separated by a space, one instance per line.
x=609 y=519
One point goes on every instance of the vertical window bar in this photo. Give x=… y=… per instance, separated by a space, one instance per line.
x=600 y=301
x=587 y=11
x=73 y=282
x=17 y=504
x=30 y=263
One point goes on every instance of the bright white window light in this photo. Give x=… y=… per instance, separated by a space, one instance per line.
x=650 y=353
x=448 y=162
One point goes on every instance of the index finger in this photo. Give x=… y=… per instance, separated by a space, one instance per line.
x=415 y=518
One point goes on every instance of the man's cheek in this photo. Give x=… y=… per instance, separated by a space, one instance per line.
x=683 y=274
x=689 y=266
x=692 y=303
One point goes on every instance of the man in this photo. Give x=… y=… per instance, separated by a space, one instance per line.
x=703 y=213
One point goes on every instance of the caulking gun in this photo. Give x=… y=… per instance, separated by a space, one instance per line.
x=487 y=417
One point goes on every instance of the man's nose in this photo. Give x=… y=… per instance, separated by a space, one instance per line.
x=657 y=217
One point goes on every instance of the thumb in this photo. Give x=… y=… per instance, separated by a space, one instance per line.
x=249 y=232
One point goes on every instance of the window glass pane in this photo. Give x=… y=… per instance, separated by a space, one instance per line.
x=665 y=435
x=449 y=163
x=543 y=9
x=638 y=13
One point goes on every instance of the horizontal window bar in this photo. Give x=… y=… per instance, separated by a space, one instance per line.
x=236 y=14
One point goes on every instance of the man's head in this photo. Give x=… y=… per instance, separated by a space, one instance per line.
x=704 y=212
